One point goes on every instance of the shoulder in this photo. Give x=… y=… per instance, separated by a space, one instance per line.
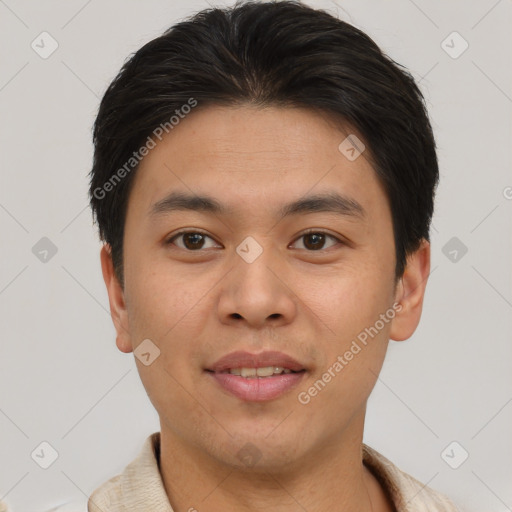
x=407 y=493
x=421 y=498
x=107 y=497
x=139 y=482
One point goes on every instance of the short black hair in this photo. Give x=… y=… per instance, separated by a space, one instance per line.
x=268 y=54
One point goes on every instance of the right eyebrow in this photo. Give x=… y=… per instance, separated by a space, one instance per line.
x=325 y=202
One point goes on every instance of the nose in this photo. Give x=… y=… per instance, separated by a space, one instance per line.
x=257 y=293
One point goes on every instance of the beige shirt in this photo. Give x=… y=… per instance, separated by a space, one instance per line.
x=140 y=487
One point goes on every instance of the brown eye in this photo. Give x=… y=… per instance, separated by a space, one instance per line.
x=315 y=240
x=189 y=240
x=193 y=240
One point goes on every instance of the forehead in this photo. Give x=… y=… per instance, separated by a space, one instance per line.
x=254 y=156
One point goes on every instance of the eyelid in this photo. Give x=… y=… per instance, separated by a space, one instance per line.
x=170 y=238
x=319 y=231
x=341 y=240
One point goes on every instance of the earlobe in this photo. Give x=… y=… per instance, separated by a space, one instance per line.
x=410 y=292
x=116 y=301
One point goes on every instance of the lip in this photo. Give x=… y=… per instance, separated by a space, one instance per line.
x=256 y=389
x=243 y=359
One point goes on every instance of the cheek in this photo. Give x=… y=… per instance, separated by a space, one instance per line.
x=346 y=300
x=351 y=305
x=169 y=309
x=163 y=296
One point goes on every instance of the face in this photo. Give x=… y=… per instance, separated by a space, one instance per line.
x=290 y=251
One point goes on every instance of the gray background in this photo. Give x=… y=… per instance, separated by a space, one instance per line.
x=62 y=379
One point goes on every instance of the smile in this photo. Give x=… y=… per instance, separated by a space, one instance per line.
x=250 y=386
x=266 y=371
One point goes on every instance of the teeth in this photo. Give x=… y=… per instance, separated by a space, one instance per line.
x=266 y=371
x=248 y=372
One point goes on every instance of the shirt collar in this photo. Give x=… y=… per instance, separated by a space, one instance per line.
x=140 y=486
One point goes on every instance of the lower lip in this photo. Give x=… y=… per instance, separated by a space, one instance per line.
x=257 y=389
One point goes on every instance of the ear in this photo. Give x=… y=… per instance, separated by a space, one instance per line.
x=116 y=300
x=409 y=293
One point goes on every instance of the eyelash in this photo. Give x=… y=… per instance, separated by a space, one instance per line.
x=170 y=240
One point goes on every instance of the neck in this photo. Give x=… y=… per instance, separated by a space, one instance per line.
x=331 y=476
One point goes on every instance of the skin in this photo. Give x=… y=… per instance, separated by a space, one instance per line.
x=198 y=305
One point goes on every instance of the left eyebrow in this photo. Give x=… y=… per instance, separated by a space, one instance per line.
x=330 y=202
x=327 y=202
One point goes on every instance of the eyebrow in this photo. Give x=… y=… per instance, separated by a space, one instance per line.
x=328 y=202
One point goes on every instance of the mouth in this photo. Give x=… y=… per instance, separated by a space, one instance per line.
x=242 y=360
x=256 y=377
x=262 y=372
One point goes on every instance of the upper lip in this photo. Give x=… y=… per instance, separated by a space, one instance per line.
x=243 y=359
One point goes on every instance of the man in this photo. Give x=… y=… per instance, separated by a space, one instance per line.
x=263 y=181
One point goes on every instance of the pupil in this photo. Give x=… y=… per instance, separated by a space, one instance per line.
x=197 y=238
x=317 y=238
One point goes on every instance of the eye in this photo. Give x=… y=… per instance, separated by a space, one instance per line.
x=197 y=240
x=315 y=240
x=190 y=240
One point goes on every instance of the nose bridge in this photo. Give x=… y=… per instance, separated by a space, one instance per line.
x=255 y=261
x=254 y=290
